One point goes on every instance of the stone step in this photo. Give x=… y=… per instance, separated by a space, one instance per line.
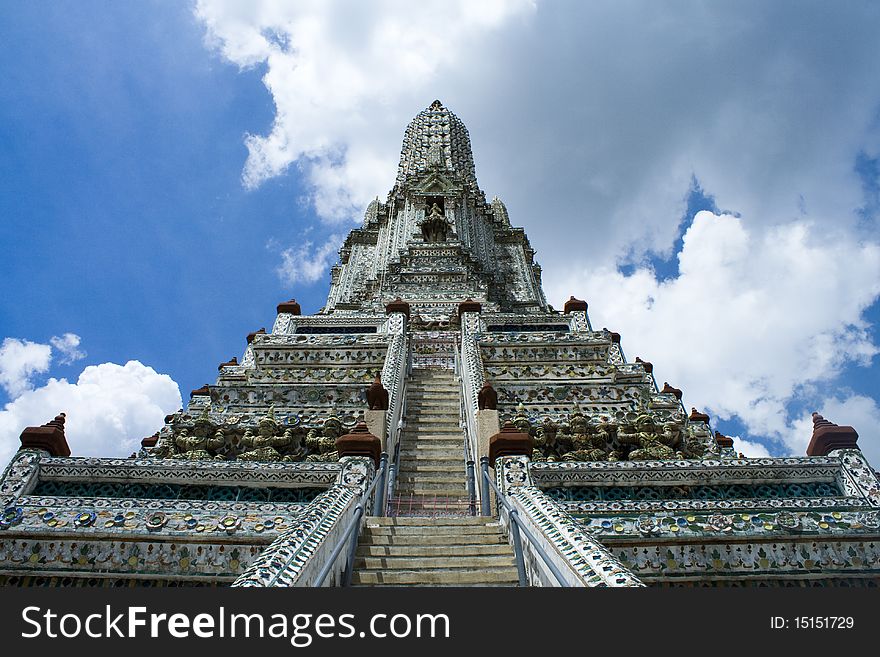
x=433 y=563
x=450 y=577
x=432 y=386
x=433 y=522
x=451 y=474
x=434 y=425
x=456 y=437
x=436 y=452
x=453 y=448
x=432 y=395
x=422 y=405
x=450 y=532
x=441 y=486
x=454 y=457
x=432 y=458
x=430 y=465
x=423 y=494
x=420 y=467
x=414 y=427
x=434 y=551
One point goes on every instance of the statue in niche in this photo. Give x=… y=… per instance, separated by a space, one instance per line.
x=202 y=443
x=696 y=442
x=435 y=226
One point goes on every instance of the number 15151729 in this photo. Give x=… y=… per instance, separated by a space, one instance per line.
x=813 y=623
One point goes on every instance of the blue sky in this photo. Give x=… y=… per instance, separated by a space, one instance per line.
x=169 y=172
x=124 y=218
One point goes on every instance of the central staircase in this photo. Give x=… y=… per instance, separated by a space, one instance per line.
x=432 y=469
x=444 y=551
x=431 y=540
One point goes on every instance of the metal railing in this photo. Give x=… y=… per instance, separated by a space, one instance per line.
x=429 y=506
x=517 y=527
x=350 y=535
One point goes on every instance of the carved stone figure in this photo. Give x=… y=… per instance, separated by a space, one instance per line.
x=586 y=444
x=191 y=447
x=435 y=226
x=651 y=448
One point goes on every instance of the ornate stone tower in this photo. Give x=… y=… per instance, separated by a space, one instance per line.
x=436 y=241
x=436 y=352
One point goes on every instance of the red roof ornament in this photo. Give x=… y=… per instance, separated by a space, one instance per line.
x=487 y=398
x=828 y=437
x=670 y=390
x=574 y=305
x=722 y=440
x=48 y=437
x=360 y=442
x=251 y=336
x=228 y=363
x=646 y=365
x=377 y=395
x=510 y=441
x=291 y=307
x=204 y=390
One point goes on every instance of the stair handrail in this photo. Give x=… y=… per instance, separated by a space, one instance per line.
x=517 y=526
x=354 y=522
x=471 y=380
x=400 y=368
x=468 y=451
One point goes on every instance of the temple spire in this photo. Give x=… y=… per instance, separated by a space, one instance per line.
x=436 y=139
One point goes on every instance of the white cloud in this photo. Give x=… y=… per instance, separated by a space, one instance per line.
x=109 y=409
x=68 y=345
x=749 y=448
x=751 y=318
x=343 y=77
x=305 y=263
x=20 y=360
x=588 y=119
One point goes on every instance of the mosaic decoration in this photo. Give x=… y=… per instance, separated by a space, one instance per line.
x=151 y=556
x=725 y=492
x=819 y=558
x=55 y=488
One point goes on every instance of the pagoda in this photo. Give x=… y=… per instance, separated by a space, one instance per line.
x=438 y=423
